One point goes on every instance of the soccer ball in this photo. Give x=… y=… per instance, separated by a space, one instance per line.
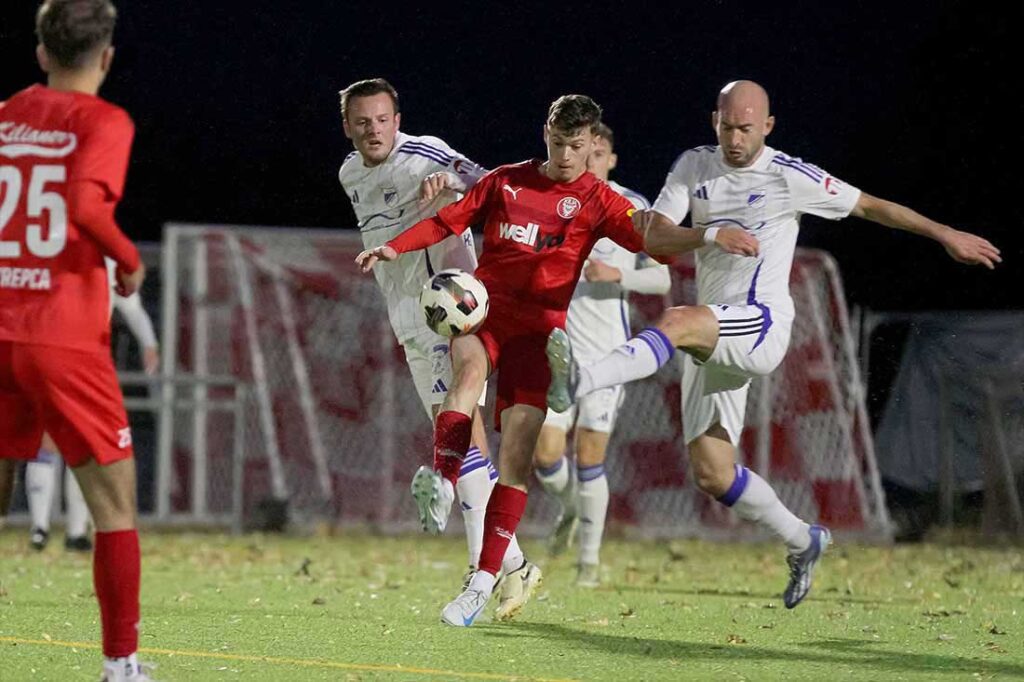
x=455 y=302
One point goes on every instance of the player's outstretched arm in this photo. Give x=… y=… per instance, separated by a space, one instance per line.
x=367 y=259
x=664 y=238
x=963 y=247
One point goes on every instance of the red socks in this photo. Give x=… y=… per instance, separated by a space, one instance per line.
x=504 y=510
x=452 y=434
x=115 y=575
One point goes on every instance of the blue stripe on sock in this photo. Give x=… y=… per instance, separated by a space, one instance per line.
x=473 y=451
x=585 y=474
x=739 y=484
x=670 y=350
x=472 y=466
x=553 y=469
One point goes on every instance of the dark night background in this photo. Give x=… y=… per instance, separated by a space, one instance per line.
x=237 y=116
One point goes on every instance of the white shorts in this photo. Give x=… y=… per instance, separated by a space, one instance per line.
x=595 y=411
x=750 y=343
x=430 y=362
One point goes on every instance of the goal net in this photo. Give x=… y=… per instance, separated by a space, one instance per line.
x=331 y=425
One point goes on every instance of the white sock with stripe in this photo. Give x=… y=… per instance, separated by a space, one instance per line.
x=640 y=357
x=753 y=499
x=556 y=480
x=593 y=501
x=474 y=489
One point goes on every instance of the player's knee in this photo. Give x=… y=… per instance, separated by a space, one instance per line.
x=712 y=479
x=683 y=325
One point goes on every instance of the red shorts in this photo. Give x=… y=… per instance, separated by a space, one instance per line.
x=73 y=395
x=516 y=352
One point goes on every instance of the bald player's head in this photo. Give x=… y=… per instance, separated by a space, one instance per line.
x=742 y=120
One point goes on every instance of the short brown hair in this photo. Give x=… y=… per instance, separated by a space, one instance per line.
x=71 y=30
x=604 y=132
x=367 y=88
x=573 y=112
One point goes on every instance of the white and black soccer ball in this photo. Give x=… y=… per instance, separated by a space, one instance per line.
x=455 y=302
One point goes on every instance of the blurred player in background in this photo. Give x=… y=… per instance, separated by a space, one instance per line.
x=393 y=181
x=746 y=200
x=598 y=322
x=63 y=158
x=541 y=220
x=41 y=474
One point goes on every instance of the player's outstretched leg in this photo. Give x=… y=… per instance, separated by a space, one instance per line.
x=640 y=357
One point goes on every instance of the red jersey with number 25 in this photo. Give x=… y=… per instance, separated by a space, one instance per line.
x=537 y=236
x=58 y=152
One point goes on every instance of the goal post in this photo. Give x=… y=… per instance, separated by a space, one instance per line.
x=332 y=423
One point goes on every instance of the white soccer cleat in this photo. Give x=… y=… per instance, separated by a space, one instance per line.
x=564 y=371
x=463 y=610
x=588 y=576
x=122 y=670
x=516 y=589
x=434 y=496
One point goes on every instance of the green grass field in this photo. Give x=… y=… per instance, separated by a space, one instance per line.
x=366 y=608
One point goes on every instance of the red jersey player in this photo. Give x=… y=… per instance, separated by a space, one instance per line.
x=63 y=158
x=541 y=220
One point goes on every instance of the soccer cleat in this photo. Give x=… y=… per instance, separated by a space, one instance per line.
x=468 y=576
x=565 y=374
x=588 y=575
x=79 y=544
x=801 y=566
x=38 y=538
x=463 y=610
x=434 y=496
x=565 y=532
x=516 y=590
x=122 y=670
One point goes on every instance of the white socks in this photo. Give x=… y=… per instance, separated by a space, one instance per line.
x=558 y=480
x=476 y=480
x=754 y=500
x=593 y=508
x=640 y=357
x=40 y=484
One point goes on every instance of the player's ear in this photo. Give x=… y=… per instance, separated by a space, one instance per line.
x=106 y=58
x=398 y=119
x=769 y=125
x=344 y=125
x=547 y=133
x=43 y=58
x=613 y=161
x=714 y=120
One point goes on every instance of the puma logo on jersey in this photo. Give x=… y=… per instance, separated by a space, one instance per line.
x=124 y=437
x=514 y=191
x=529 y=235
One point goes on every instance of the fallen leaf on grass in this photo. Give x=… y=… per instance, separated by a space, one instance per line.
x=736 y=639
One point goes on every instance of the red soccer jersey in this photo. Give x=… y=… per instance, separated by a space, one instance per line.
x=537 y=235
x=63 y=159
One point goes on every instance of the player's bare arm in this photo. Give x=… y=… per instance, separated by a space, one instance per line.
x=664 y=238
x=963 y=247
x=367 y=259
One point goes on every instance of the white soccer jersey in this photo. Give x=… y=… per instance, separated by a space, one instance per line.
x=766 y=199
x=598 y=318
x=385 y=199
